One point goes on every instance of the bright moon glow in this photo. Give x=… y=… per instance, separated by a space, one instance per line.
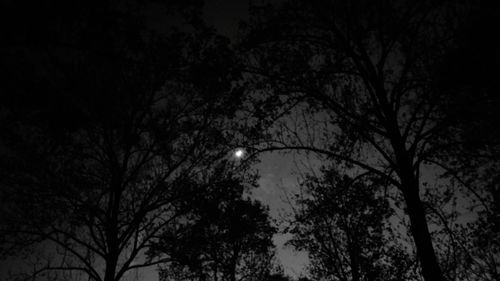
x=238 y=153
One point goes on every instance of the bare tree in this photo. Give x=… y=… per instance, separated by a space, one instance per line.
x=364 y=72
x=344 y=224
x=103 y=145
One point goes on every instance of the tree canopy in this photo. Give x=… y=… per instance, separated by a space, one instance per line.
x=359 y=79
x=118 y=121
x=104 y=140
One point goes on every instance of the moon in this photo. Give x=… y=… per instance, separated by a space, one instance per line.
x=239 y=153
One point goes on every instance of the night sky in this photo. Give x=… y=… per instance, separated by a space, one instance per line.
x=277 y=170
x=281 y=173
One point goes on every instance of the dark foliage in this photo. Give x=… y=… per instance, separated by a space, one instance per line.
x=227 y=237
x=360 y=79
x=106 y=125
x=117 y=119
x=349 y=230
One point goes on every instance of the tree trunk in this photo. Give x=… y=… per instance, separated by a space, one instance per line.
x=112 y=228
x=431 y=270
x=109 y=274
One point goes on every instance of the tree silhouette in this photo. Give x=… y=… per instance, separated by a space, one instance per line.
x=467 y=75
x=361 y=75
x=116 y=131
x=227 y=237
x=106 y=125
x=344 y=225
